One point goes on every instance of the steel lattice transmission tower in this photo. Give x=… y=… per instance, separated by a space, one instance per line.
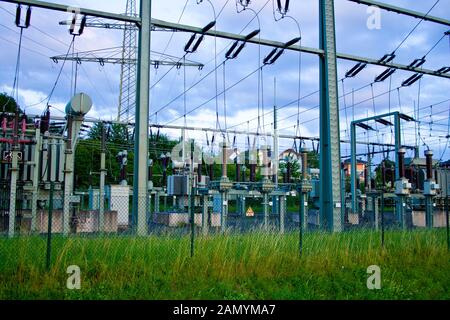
x=128 y=74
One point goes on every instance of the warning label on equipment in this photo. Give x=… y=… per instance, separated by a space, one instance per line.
x=250 y=212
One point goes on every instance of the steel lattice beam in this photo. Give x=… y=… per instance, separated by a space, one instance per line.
x=109 y=56
x=108 y=24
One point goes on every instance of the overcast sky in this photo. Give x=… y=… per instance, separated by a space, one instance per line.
x=46 y=38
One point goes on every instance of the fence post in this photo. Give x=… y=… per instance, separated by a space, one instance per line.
x=382 y=218
x=49 y=228
x=192 y=199
x=446 y=205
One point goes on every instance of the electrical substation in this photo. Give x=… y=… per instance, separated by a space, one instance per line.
x=258 y=182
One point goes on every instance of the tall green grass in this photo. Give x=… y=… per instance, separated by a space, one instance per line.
x=414 y=265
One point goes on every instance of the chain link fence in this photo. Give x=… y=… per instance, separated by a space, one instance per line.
x=92 y=214
x=95 y=227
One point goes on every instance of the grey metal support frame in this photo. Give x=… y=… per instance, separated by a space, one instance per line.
x=330 y=153
x=140 y=185
x=397 y=133
x=140 y=189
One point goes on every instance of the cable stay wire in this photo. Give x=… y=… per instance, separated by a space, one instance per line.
x=52 y=91
x=296 y=100
x=415 y=27
x=63 y=44
x=214 y=59
x=214 y=97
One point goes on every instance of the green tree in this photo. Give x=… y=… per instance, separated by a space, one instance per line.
x=8 y=104
x=88 y=155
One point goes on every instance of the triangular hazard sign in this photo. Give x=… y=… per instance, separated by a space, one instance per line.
x=250 y=212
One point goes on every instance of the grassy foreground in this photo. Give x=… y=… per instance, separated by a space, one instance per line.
x=414 y=265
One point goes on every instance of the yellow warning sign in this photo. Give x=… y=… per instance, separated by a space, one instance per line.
x=250 y=212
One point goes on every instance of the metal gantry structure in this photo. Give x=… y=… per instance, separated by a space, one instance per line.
x=114 y=56
x=128 y=74
x=331 y=191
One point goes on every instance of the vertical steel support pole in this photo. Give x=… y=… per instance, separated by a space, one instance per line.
x=353 y=166
x=330 y=153
x=376 y=211
x=398 y=143
x=224 y=210
x=224 y=186
x=282 y=212
x=150 y=201
x=428 y=195
x=382 y=217
x=14 y=174
x=343 y=199
x=205 y=227
x=157 y=202
x=140 y=189
x=34 y=199
x=192 y=199
x=369 y=173
x=73 y=127
x=49 y=226
x=101 y=207
x=266 y=211
x=13 y=191
x=301 y=217
x=399 y=200
x=275 y=160
x=447 y=189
